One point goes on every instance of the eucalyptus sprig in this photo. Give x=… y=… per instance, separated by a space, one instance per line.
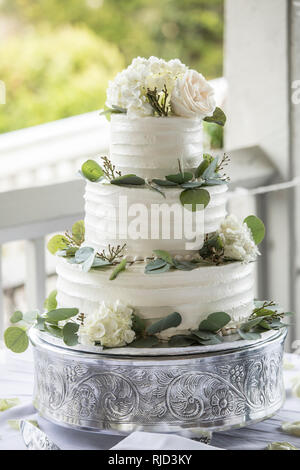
x=146 y=335
x=16 y=337
x=111 y=253
x=109 y=169
x=164 y=262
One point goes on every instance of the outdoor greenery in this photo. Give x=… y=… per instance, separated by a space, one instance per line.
x=59 y=56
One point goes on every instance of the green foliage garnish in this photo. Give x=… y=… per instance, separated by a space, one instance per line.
x=215 y=322
x=61 y=314
x=119 y=268
x=218 y=117
x=69 y=332
x=92 y=171
x=165 y=261
x=130 y=180
x=113 y=110
x=57 y=243
x=51 y=303
x=194 y=198
x=78 y=232
x=16 y=339
x=257 y=228
x=7 y=403
x=170 y=321
x=16 y=317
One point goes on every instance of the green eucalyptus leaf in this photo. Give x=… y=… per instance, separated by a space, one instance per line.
x=61 y=314
x=118 y=269
x=147 y=342
x=57 y=243
x=128 y=180
x=7 y=403
x=70 y=335
x=247 y=335
x=54 y=330
x=164 y=255
x=214 y=182
x=206 y=335
x=83 y=254
x=184 y=265
x=31 y=316
x=192 y=184
x=92 y=171
x=193 y=197
x=180 y=178
x=292 y=428
x=155 y=264
x=215 y=322
x=257 y=228
x=181 y=341
x=247 y=326
x=40 y=324
x=210 y=171
x=78 y=231
x=51 y=302
x=170 y=321
x=16 y=339
x=68 y=253
x=201 y=168
x=281 y=446
x=215 y=339
x=16 y=317
x=165 y=183
x=218 y=117
x=163 y=269
x=100 y=263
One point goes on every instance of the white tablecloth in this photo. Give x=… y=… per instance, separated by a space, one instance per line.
x=16 y=380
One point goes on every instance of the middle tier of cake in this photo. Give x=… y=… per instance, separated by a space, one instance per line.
x=194 y=294
x=110 y=209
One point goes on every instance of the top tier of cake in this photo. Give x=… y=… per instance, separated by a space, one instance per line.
x=150 y=147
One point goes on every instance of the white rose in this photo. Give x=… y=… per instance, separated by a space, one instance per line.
x=193 y=96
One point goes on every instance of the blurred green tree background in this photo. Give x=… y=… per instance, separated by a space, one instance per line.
x=57 y=56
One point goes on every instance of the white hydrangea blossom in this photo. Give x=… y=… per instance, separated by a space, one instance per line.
x=237 y=239
x=111 y=326
x=129 y=87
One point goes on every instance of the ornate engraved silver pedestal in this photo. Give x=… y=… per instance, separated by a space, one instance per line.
x=211 y=391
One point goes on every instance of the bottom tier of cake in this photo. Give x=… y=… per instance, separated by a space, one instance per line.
x=194 y=294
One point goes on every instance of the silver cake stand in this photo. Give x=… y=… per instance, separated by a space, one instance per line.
x=178 y=390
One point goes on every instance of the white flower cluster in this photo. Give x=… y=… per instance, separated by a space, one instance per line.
x=192 y=96
x=111 y=326
x=237 y=240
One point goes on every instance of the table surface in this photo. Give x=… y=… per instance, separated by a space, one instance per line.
x=16 y=380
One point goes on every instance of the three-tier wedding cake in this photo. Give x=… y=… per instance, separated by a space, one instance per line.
x=128 y=265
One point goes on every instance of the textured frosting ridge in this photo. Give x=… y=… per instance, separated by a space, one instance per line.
x=102 y=216
x=194 y=294
x=150 y=147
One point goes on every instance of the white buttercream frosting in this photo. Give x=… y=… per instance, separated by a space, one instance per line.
x=103 y=218
x=151 y=146
x=194 y=294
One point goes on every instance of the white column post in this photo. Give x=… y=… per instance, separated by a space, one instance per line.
x=35 y=273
